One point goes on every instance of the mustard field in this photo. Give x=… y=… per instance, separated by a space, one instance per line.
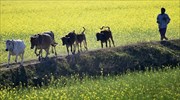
x=130 y=21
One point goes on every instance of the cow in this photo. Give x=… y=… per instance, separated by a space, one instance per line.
x=81 y=38
x=43 y=41
x=104 y=36
x=69 y=40
x=15 y=47
x=54 y=43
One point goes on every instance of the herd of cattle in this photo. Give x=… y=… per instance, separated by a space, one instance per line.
x=46 y=40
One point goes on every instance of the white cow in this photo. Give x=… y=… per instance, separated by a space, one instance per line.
x=15 y=47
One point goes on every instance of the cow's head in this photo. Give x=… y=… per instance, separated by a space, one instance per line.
x=64 y=40
x=98 y=36
x=9 y=45
x=33 y=41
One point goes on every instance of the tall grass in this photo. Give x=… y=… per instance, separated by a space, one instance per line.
x=162 y=84
x=130 y=21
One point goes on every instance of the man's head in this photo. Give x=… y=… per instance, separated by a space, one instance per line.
x=163 y=10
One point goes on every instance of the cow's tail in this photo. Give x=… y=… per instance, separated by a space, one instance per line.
x=101 y=27
x=52 y=36
x=54 y=44
x=83 y=30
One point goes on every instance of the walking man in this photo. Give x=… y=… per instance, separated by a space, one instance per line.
x=163 y=20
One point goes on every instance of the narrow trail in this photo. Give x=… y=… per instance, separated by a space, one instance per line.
x=171 y=45
x=3 y=66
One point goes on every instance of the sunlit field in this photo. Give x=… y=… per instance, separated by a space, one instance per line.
x=130 y=21
x=160 y=85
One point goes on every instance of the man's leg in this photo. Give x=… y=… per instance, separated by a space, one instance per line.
x=161 y=33
x=165 y=34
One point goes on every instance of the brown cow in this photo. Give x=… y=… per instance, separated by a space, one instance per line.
x=81 y=38
x=43 y=41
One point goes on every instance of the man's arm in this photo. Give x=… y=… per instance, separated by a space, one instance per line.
x=158 y=19
x=168 y=19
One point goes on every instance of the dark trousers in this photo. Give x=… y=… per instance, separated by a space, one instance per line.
x=163 y=33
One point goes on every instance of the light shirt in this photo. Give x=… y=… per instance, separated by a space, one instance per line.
x=163 y=20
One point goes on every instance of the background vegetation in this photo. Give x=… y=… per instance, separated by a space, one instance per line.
x=130 y=21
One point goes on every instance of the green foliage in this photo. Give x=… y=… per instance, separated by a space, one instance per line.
x=130 y=21
x=162 y=84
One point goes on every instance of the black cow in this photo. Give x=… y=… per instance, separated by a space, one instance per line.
x=104 y=36
x=69 y=40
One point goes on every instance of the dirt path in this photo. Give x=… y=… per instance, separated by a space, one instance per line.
x=4 y=67
x=15 y=65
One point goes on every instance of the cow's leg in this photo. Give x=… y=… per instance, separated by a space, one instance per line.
x=101 y=44
x=16 y=58
x=22 y=58
x=35 y=51
x=52 y=49
x=112 y=41
x=47 y=52
x=39 y=58
x=78 y=46
x=74 y=48
x=40 y=54
x=67 y=47
x=55 y=50
x=85 y=45
x=106 y=44
x=81 y=46
x=71 y=49
x=9 y=56
x=109 y=43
